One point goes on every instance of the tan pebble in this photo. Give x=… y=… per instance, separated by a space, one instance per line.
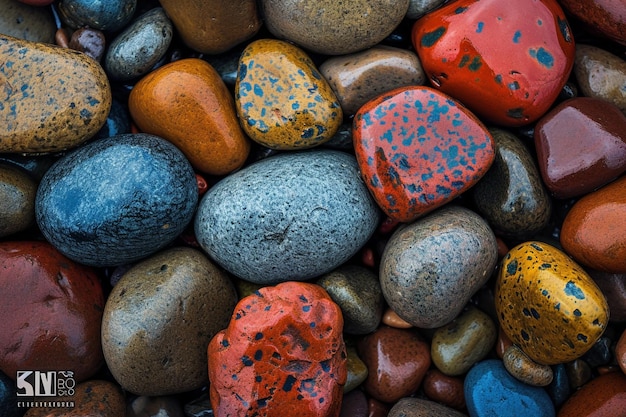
x=601 y=74
x=391 y=319
x=525 y=369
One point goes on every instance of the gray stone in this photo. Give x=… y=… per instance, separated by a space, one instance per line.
x=17 y=200
x=136 y=50
x=418 y=8
x=293 y=216
x=430 y=268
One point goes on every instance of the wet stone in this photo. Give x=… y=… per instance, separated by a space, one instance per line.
x=613 y=286
x=89 y=41
x=331 y=27
x=391 y=319
x=65 y=111
x=559 y=389
x=603 y=16
x=282 y=354
x=604 y=396
x=111 y=15
x=17 y=200
x=357 y=371
x=578 y=373
x=444 y=389
x=600 y=353
x=601 y=74
x=175 y=295
x=417 y=407
x=354 y=404
x=357 y=291
x=525 y=369
x=511 y=195
x=26 y=22
x=418 y=8
x=464 y=250
x=136 y=50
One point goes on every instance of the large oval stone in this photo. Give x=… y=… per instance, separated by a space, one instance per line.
x=548 y=305
x=594 y=230
x=293 y=216
x=51 y=311
x=159 y=319
x=56 y=98
x=116 y=200
x=419 y=149
x=431 y=267
x=282 y=100
x=506 y=61
x=187 y=103
x=282 y=354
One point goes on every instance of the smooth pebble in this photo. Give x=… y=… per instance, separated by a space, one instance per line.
x=17 y=200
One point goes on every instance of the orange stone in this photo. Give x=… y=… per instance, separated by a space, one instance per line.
x=604 y=396
x=187 y=103
x=594 y=231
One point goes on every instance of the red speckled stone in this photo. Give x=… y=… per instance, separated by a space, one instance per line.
x=51 y=310
x=418 y=149
x=506 y=61
x=397 y=359
x=605 y=16
x=581 y=145
x=282 y=354
x=594 y=230
x=604 y=396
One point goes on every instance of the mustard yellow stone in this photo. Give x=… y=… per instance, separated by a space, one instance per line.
x=51 y=98
x=283 y=102
x=548 y=305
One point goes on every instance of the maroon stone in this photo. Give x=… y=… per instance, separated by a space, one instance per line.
x=613 y=286
x=608 y=17
x=89 y=41
x=581 y=145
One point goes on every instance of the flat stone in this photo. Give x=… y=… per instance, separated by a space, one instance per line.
x=213 y=26
x=359 y=77
x=58 y=114
x=604 y=396
x=187 y=103
x=282 y=100
x=299 y=214
x=417 y=407
x=26 y=22
x=17 y=200
x=581 y=146
x=603 y=16
x=431 y=267
x=333 y=28
x=594 y=232
x=600 y=74
x=282 y=354
x=418 y=149
x=548 y=305
x=461 y=47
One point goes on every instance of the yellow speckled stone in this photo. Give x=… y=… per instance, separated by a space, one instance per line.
x=51 y=98
x=548 y=305
x=283 y=102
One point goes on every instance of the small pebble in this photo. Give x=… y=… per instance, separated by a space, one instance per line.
x=89 y=41
x=600 y=354
x=604 y=396
x=578 y=373
x=26 y=22
x=391 y=319
x=357 y=371
x=377 y=408
x=525 y=369
x=398 y=358
x=17 y=200
x=417 y=407
x=354 y=404
x=444 y=389
x=559 y=389
x=117 y=122
x=111 y=15
x=467 y=339
x=601 y=74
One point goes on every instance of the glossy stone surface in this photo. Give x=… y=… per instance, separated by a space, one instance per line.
x=173 y=296
x=300 y=214
x=17 y=200
x=524 y=369
x=581 y=146
x=547 y=304
x=26 y=22
x=391 y=319
x=88 y=41
x=431 y=267
x=187 y=103
x=111 y=15
x=357 y=291
x=461 y=47
x=491 y=391
x=444 y=389
x=604 y=396
x=511 y=195
x=94 y=398
x=419 y=149
x=594 y=232
x=603 y=16
x=136 y=50
x=357 y=370
x=559 y=389
x=601 y=74
x=359 y=77
x=116 y=200
x=51 y=310
x=164 y=406
x=398 y=359
x=417 y=407
x=213 y=26
x=61 y=113
x=331 y=27
x=458 y=345
x=578 y=373
x=613 y=286
x=282 y=100
x=418 y=8
x=282 y=354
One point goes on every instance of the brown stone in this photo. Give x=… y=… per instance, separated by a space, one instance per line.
x=613 y=286
x=444 y=389
x=604 y=396
x=89 y=41
x=608 y=17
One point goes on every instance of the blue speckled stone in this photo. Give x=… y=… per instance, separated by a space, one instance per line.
x=117 y=199
x=110 y=15
x=293 y=216
x=491 y=391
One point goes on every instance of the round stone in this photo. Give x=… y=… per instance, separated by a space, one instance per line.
x=159 y=319
x=88 y=41
x=300 y=215
x=444 y=389
x=17 y=200
x=601 y=74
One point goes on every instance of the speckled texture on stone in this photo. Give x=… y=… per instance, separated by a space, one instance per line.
x=511 y=195
x=524 y=369
x=136 y=50
x=417 y=407
x=331 y=27
x=116 y=200
x=298 y=215
x=57 y=98
x=111 y=15
x=357 y=291
x=159 y=319
x=26 y=22
x=431 y=267
x=17 y=200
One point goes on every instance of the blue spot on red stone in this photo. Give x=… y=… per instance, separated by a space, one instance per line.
x=430 y=38
x=258 y=355
x=306 y=309
x=542 y=56
x=460 y=10
x=464 y=60
x=247 y=361
x=572 y=290
x=476 y=64
x=225 y=343
x=516 y=36
x=288 y=385
x=479 y=27
x=258 y=336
